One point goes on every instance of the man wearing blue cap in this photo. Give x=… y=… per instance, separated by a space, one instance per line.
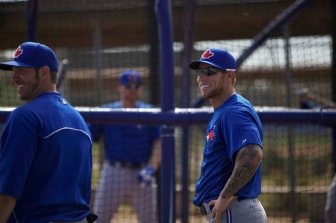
x=45 y=153
x=230 y=180
x=132 y=156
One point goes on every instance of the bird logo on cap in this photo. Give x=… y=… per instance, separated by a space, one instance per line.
x=18 y=52
x=207 y=54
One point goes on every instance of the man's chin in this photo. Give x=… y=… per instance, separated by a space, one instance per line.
x=206 y=96
x=24 y=98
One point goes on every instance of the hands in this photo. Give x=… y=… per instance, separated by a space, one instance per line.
x=219 y=207
x=146 y=175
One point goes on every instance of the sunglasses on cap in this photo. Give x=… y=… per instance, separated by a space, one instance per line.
x=132 y=85
x=208 y=71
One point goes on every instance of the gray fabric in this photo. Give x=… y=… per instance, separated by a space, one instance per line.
x=249 y=210
x=118 y=185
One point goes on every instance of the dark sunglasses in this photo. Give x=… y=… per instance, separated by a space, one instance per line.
x=132 y=85
x=208 y=71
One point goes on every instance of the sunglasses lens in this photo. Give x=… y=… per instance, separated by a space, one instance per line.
x=206 y=71
x=132 y=85
x=211 y=71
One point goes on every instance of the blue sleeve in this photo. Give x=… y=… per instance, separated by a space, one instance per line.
x=96 y=131
x=155 y=132
x=240 y=130
x=18 y=148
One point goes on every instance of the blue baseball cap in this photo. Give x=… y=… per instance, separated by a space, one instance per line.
x=218 y=58
x=130 y=76
x=31 y=54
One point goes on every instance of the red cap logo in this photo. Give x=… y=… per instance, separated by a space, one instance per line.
x=18 y=52
x=132 y=78
x=207 y=54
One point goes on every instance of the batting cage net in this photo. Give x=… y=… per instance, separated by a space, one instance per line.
x=284 y=52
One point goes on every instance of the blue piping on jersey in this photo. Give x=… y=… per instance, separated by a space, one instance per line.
x=65 y=128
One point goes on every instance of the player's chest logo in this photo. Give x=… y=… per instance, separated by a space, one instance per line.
x=211 y=134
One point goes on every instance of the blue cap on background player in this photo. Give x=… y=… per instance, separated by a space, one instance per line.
x=218 y=58
x=31 y=54
x=130 y=76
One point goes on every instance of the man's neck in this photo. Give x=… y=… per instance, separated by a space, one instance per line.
x=216 y=102
x=128 y=104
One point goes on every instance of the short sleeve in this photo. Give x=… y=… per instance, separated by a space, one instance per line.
x=240 y=129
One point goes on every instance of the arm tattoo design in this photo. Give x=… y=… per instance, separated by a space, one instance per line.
x=247 y=162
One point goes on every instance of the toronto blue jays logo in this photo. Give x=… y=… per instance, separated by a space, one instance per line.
x=207 y=54
x=18 y=52
x=210 y=134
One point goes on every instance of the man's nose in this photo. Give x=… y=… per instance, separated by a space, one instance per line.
x=201 y=77
x=15 y=76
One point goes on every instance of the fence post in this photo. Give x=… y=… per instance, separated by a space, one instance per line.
x=189 y=11
x=168 y=207
x=32 y=9
x=291 y=137
x=153 y=55
x=333 y=78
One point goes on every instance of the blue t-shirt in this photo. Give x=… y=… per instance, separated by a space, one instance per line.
x=234 y=125
x=46 y=161
x=127 y=143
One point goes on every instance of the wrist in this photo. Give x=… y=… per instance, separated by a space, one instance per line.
x=150 y=169
x=150 y=166
x=226 y=195
x=153 y=165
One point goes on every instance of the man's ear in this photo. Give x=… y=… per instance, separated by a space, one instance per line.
x=229 y=75
x=119 y=88
x=44 y=70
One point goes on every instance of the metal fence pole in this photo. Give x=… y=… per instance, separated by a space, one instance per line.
x=163 y=13
x=153 y=55
x=290 y=132
x=189 y=11
x=333 y=78
x=61 y=73
x=280 y=20
x=32 y=9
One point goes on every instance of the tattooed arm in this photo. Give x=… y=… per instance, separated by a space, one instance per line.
x=246 y=165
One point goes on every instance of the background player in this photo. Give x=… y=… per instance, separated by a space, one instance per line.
x=309 y=100
x=132 y=155
x=330 y=208
x=230 y=178
x=45 y=154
